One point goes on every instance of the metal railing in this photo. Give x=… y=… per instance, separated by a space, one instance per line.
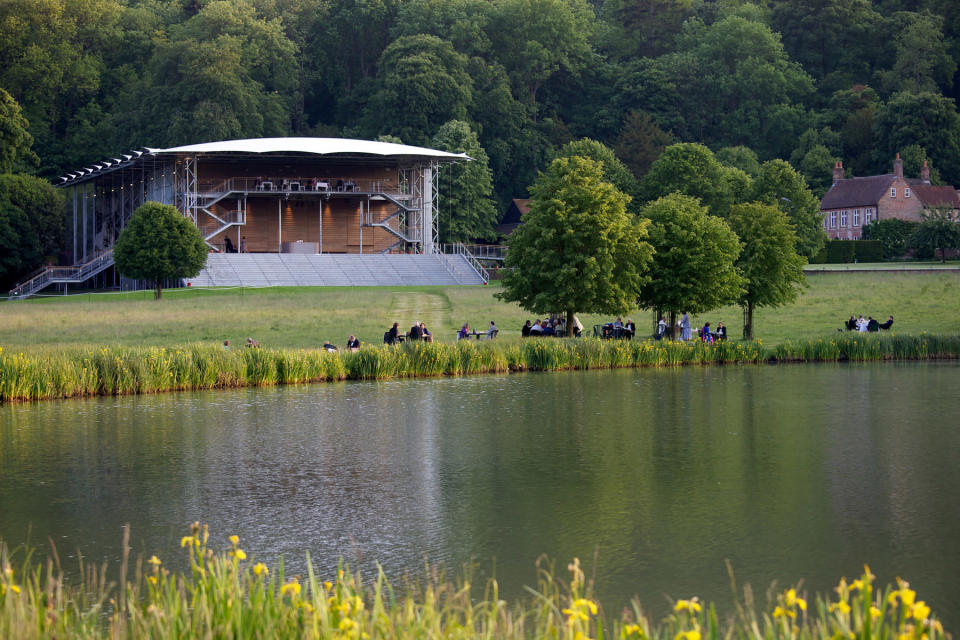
x=480 y=251
x=459 y=249
x=298 y=184
x=52 y=275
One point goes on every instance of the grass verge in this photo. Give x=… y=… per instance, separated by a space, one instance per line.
x=135 y=370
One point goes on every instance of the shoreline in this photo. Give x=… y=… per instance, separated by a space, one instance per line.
x=200 y=367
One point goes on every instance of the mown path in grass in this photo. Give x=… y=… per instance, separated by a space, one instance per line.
x=432 y=309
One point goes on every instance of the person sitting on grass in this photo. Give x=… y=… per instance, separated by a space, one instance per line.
x=393 y=335
x=492 y=331
x=705 y=334
x=415 y=333
x=851 y=324
x=425 y=333
x=886 y=325
x=328 y=347
x=252 y=343
x=872 y=325
x=226 y=345
x=464 y=332
x=547 y=329
x=352 y=343
x=525 y=330
x=536 y=329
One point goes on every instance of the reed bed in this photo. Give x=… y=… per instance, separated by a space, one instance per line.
x=225 y=594
x=133 y=370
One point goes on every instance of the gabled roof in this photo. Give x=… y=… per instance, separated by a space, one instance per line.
x=856 y=192
x=932 y=196
x=514 y=216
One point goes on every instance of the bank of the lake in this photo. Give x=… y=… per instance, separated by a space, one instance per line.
x=124 y=370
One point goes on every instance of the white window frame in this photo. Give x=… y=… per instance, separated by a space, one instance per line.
x=893 y=192
x=843 y=219
x=856 y=217
x=866 y=216
x=906 y=192
x=833 y=219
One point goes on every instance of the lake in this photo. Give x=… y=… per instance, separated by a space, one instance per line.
x=654 y=478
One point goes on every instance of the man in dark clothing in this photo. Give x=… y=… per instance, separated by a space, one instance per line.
x=415 y=333
x=886 y=325
x=393 y=336
x=525 y=330
x=873 y=325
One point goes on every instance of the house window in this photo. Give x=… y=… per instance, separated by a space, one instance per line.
x=843 y=218
x=856 y=217
x=906 y=192
x=893 y=192
x=867 y=215
x=833 y=219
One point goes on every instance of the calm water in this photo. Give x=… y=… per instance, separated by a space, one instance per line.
x=788 y=472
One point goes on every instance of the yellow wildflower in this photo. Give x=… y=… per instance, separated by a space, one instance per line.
x=792 y=600
x=239 y=554
x=234 y=540
x=260 y=569
x=187 y=541
x=841 y=606
x=631 y=631
x=293 y=588
x=693 y=634
x=692 y=605
x=155 y=561
x=575 y=614
x=152 y=579
x=921 y=611
x=781 y=612
x=874 y=612
x=583 y=602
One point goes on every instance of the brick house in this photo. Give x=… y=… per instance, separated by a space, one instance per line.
x=852 y=203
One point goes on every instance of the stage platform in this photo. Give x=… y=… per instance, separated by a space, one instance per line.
x=334 y=270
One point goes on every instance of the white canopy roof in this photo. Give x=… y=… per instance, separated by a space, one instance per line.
x=317 y=146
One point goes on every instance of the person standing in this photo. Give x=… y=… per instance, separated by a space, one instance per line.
x=243 y=244
x=685 y=332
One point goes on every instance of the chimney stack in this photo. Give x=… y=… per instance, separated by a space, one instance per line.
x=837 y=171
x=925 y=173
x=898 y=167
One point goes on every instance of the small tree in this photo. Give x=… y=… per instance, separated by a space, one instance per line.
x=938 y=229
x=694 y=264
x=158 y=244
x=578 y=249
x=771 y=268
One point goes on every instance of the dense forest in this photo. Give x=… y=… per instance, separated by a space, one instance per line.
x=808 y=81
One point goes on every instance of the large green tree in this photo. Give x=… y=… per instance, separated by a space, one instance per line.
x=781 y=185
x=466 y=208
x=926 y=119
x=578 y=249
x=771 y=268
x=693 y=170
x=422 y=82
x=694 y=264
x=159 y=244
x=31 y=225
x=614 y=171
x=15 y=138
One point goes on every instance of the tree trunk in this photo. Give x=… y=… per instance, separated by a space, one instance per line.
x=672 y=329
x=748 y=322
x=570 y=328
x=156 y=294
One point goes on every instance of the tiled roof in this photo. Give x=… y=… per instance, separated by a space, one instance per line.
x=937 y=196
x=856 y=192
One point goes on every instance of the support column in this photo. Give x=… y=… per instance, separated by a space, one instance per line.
x=279 y=225
x=84 y=222
x=320 y=223
x=73 y=257
x=426 y=212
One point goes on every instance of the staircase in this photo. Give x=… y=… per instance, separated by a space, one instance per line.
x=54 y=275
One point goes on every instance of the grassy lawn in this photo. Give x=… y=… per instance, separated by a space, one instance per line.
x=305 y=317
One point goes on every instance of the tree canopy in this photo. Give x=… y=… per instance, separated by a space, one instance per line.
x=466 y=208
x=578 y=249
x=771 y=268
x=694 y=264
x=159 y=244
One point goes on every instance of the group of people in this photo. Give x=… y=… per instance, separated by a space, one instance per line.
x=619 y=329
x=555 y=325
x=862 y=324
x=704 y=333
x=464 y=331
x=229 y=248
x=418 y=331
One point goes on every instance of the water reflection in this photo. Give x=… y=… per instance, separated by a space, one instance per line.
x=789 y=472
